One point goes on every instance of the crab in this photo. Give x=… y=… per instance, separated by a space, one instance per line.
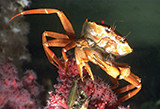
x=98 y=43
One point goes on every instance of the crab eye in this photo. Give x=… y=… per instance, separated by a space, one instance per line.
x=123 y=40
x=108 y=29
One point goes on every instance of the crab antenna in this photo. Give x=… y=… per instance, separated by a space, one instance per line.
x=127 y=35
x=114 y=27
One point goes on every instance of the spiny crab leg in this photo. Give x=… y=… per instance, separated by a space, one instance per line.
x=65 y=22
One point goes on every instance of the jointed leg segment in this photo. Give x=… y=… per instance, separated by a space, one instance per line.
x=60 y=40
x=65 y=22
x=55 y=42
x=120 y=72
x=69 y=46
x=82 y=61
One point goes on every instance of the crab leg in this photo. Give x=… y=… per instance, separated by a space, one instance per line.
x=120 y=73
x=91 y=55
x=135 y=83
x=69 y=46
x=114 y=81
x=82 y=61
x=60 y=41
x=124 y=73
x=65 y=22
x=56 y=35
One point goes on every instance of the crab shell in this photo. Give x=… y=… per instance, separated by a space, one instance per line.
x=105 y=38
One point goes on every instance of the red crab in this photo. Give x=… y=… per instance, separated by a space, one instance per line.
x=98 y=43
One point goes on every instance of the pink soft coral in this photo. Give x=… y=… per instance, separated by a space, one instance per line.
x=56 y=101
x=101 y=96
x=16 y=93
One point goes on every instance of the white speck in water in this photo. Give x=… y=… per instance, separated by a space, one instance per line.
x=16 y=30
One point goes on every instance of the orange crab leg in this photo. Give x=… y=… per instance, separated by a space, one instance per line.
x=82 y=61
x=130 y=94
x=50 y=55
x=65 y=22
x=135 y=82
x=56 y=35
x=58 y=42
x=61 y=40
x=114 y=81
x=69 y=46
x=125 y=74
x=61 y=43
x=120 y=73
x=91 y=56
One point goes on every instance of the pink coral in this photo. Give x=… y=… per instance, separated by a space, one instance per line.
x=16 y=93
x=56 y=101
x=101 y=96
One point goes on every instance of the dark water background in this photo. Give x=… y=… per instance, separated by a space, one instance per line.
x=141 y=18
